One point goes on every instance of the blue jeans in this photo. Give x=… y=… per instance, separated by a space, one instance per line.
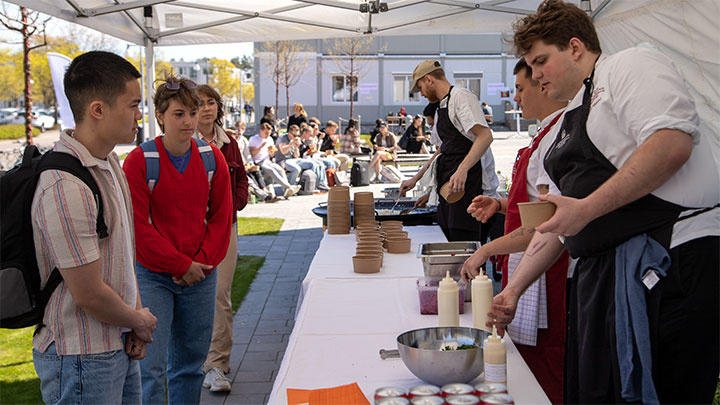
x=104 y=378
x=293 y=169
x=296 y=166
x=181 y=339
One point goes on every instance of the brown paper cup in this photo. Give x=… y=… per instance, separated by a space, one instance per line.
x=450 y=196
x=533 y=214
x=366 y=264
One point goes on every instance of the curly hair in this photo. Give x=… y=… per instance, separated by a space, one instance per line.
x=212 y=93
x=555 y=23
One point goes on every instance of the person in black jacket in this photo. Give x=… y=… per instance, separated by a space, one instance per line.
x=299 y=116
x=375 y=131
x=269 y=117
x=415 y=136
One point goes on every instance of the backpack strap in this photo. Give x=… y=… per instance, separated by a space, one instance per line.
x=70 y=164
x=152 y=163
x=208 y=158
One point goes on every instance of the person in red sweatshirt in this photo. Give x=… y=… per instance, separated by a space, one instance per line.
x=182 y=229
x=211 y=113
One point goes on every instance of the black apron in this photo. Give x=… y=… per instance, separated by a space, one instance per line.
x=455 y=146
x=578 y=168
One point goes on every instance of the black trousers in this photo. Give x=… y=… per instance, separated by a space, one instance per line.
x=684 y=314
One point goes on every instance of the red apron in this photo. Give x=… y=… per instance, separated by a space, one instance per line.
x=547 y=359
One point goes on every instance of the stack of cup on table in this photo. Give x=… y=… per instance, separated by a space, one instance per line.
x=363 y=207
x=395 y=240
x=338 y=208
x=369 y=250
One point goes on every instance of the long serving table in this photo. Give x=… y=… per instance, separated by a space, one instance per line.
x=345 y=318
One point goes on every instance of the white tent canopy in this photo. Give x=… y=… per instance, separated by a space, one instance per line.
x=685 y=30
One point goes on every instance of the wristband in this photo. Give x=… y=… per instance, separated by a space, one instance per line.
x=499 y=207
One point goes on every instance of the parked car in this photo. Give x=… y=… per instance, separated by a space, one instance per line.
x=40 y=119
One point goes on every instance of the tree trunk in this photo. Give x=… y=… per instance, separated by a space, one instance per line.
x=352 y=85
x=277 y=93
x=26 y=71
x=287 y=97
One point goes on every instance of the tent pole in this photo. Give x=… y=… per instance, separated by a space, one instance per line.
x=149 y=80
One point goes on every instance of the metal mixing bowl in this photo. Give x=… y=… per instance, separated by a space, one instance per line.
x=420 y=351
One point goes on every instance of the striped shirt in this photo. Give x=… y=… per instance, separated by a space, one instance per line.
x=64 y=214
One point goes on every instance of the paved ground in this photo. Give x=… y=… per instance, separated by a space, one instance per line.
x=265 y=318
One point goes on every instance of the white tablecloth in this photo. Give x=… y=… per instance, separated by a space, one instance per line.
x=342 y=325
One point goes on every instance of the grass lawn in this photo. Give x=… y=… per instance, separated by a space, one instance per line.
x=259 y=226
x=18 y=382
x=245 y=271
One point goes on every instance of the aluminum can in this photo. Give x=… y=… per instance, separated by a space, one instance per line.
x=462 y=400
x=424 y=390
x=492 y=399
x=385 y=392
x=429 y=400
x=490 y=388
x=457 y=389
x=392 y=401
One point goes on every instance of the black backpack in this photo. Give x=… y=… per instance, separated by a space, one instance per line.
x=360 y=173
x=22 y=300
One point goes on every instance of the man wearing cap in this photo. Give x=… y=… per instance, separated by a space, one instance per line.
x=465 y=137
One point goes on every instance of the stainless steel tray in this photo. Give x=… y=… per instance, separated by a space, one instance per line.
x=440 y=258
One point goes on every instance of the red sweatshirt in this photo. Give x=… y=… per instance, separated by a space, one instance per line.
x=190 y=221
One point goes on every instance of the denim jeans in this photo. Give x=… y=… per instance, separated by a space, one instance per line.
x=293 y=168
x=103 y=378
x=181 y=339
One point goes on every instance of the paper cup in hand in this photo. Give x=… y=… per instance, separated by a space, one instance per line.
x=449 y=196
x=533 y=214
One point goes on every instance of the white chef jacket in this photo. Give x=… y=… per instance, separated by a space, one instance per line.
x=637 y=92
x=465 y=112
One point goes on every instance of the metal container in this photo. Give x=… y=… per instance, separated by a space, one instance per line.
x=429 y=400
x=490 y=388
x=421 y=352
x=491 y=399
x=386 y=392
x=424 y=390
x=462 y=400
x=392 y=401
x=457 y=389
x=439 y=258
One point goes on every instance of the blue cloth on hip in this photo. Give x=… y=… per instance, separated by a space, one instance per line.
x=632 y=260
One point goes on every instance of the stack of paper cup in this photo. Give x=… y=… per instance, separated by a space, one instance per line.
x=364 y=207
x=338 y=208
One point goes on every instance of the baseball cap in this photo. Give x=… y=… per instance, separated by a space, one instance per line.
x=425 y=67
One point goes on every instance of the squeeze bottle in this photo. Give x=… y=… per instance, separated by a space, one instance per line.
x=482 y=298
x=495 y=357
x=448 y=305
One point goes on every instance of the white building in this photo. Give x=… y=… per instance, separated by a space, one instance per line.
x=480 y=63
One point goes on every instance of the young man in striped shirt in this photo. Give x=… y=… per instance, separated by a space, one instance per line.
x=95 y=326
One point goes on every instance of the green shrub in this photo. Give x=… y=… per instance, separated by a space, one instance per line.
x=15 y=131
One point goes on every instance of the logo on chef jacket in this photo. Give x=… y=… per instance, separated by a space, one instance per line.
x=564 y=137
x=596 y=95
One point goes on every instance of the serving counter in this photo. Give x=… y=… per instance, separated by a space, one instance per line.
x=345 y=318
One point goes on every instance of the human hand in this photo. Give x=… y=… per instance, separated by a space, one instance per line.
x=471 y=267
x=135 y=347
x=422 y=201
x=407 y=185
x=145 y=326
x=503 y=309
x=457 y=180
x=570 y=216
x=194 y=273
x=482 y=208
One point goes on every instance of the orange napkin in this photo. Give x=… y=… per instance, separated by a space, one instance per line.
x=350 y=394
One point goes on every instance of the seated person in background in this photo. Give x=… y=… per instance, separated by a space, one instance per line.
x=288 y=157
x=402 y=112
x=309 y=146
x=487 y=110
x=256 y=182
x=329 y=142
x=385 y=149
x=350 y=140
x=415 y=137
x=299 y=116
x=269 y=118
x=262 y=148
x=375 y=131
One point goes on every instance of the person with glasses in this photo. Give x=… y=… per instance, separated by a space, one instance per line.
x=182 y=214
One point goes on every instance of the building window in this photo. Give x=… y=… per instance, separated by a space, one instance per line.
x=193 y=74
x=470 y=81
x=402 y=83
x=341 y=88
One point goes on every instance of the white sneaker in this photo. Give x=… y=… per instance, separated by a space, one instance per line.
x=289 y=191
x=216 y=380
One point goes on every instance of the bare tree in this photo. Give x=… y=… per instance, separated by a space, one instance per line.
x=271 y=61
x=28 y=24
x=351 y=58
x=292 y=65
